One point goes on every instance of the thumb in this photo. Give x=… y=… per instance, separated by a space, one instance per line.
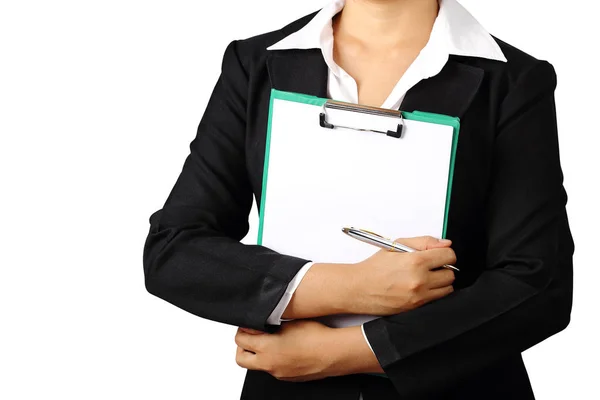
x=424 y=242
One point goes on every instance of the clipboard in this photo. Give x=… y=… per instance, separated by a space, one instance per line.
x=330 y=164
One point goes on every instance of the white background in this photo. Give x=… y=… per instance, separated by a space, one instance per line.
x=98 y=103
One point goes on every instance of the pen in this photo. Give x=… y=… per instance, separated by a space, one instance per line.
x=383 y=242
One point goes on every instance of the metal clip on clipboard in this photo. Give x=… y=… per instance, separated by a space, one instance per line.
x=339 y=105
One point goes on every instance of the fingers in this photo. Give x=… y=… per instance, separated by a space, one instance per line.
x=248 y=341
x=251 y=331
x=435 y=258
x=424 y=242
x=245 y=359
x=441 y=278
x=438 y=293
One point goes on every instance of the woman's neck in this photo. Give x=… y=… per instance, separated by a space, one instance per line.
x=387 y=23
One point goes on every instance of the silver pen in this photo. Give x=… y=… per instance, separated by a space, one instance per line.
x=383 y=242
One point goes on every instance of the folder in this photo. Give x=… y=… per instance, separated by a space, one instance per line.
x=330 y=164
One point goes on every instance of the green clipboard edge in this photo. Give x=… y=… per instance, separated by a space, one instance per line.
x=420 y=116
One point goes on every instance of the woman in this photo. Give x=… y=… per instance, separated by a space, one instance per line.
x=440 y=336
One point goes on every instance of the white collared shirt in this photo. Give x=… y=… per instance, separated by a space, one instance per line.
x=455 y=32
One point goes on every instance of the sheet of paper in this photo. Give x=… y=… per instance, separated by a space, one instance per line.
x=320 y=180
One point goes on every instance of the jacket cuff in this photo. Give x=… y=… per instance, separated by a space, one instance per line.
x=362 y=328
x=275 y=317
x=378 y=338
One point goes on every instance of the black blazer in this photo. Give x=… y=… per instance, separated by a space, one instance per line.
x=507 y=221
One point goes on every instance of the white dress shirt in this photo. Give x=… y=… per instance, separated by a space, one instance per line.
x=455 y=31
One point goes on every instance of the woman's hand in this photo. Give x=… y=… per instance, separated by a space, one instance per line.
x=384 y=284
x=304 y=350
x=391 y=282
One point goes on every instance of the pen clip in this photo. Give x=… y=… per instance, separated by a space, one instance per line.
x=372 y=233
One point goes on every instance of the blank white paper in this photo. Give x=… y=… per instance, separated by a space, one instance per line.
x=320 y=180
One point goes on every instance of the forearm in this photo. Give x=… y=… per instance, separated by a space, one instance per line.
x=203 y=274
x=326 y=289
x=384 y=284
x=350 y=353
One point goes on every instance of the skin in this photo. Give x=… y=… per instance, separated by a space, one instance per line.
x=384 y=284
x=375 y=41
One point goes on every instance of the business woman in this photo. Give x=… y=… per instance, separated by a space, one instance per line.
x=441 y=336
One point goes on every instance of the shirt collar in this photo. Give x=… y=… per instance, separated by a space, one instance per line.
x=455 y=30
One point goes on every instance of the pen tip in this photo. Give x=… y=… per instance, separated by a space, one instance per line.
x=345 y=230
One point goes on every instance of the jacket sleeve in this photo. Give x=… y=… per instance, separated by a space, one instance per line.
x=192 y=256
x=524 y=293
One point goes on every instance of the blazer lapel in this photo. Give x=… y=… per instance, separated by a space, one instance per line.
x=300 y=71
x=450 y=92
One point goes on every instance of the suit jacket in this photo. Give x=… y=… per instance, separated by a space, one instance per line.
x=507 y=221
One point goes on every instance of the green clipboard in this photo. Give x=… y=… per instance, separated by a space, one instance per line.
x=420 y=116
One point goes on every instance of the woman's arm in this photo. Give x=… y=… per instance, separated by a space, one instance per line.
x=192 y=255
x=524 y=294
x=384 y=284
